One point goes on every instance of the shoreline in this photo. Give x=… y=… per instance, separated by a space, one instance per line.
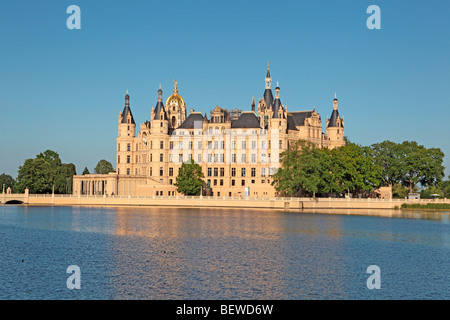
x=383 y=212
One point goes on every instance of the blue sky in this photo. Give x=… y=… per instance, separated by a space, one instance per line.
x=63 y=89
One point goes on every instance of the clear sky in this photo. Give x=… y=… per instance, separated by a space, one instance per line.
x=63 y=89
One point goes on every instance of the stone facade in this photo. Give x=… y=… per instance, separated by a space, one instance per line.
x=238 y=150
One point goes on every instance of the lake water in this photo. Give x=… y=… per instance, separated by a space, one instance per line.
x=173 y=253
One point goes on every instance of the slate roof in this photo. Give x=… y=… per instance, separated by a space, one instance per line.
x=246 y=120
x=158 y=109
x=291 y=123
x=333 y=119
x=190 y=121
x=125 y=113
x=276 y=107
x=268 y=97
x=300 y=116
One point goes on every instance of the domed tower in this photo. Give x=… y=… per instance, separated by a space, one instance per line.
x=176 y=108
x=335 y=127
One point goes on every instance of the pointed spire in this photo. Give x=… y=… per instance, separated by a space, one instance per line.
x=175 y=90
x=253 y=103
x=335 y=102
x=268 y=70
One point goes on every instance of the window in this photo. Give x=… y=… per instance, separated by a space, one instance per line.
x=151 y=171
x=128 y=171
x=244 y=145
x=233 y=183
x=263 y=172
x=209 y=145
x=190 y=145
x=243 y=172
x=209 y=158
x=263 y=158
x=137 y=158
x=161 y=171
x=215 y=182
x=253 y=172
x=170 y=181
x=118 y=159
x=233 y=172
x=171 y=145
x=200 y=145
x=243 y=158
x=216 y=144
x=253 y=181
x=233 y=145
x=263 y=181
x=180 y=157
x=233 y=158
x=222 y=172
x=222 y=145
x=243 y=183
x=180 y=145
x=253 y=157
x=170 y=172
x=216 y=172
x=209 y=172
x=161 y=144
x=253 y=145
x=161 y=157
x=128 y=159
x=118 y=147
x=151 y=157
x=199 y=158
x=221 y=182
x=280 y=144
x=128 y=147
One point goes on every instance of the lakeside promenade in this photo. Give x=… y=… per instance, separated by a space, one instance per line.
x=280 y=203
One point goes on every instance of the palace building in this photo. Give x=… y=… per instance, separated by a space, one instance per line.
x=238 y=150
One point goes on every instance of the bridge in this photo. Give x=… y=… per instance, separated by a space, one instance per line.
x=14 y=198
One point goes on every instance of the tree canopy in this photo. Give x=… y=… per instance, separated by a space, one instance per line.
x=7 y=181
x=45 y=172
x=358 y=169
x=103 y=167
x=189 y=180
x=409 y=164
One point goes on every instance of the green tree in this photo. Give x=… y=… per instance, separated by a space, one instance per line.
x=85 y=171
x=387 y=156
x=63 y=179
x=103 y=167
x=445 y=187
x=399 y=191
x=409 y=163
x=44 y=174
x=189 y=180
x=7 y=181
x=420 y=165
x=36 y=175
x=354 y=169
x=431 y=190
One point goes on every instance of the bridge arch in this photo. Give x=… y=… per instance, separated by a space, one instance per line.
x=14 y=202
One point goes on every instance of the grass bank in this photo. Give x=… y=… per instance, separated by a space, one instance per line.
x=431 y=206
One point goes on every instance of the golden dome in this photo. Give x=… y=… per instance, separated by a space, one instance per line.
x=175 y=98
